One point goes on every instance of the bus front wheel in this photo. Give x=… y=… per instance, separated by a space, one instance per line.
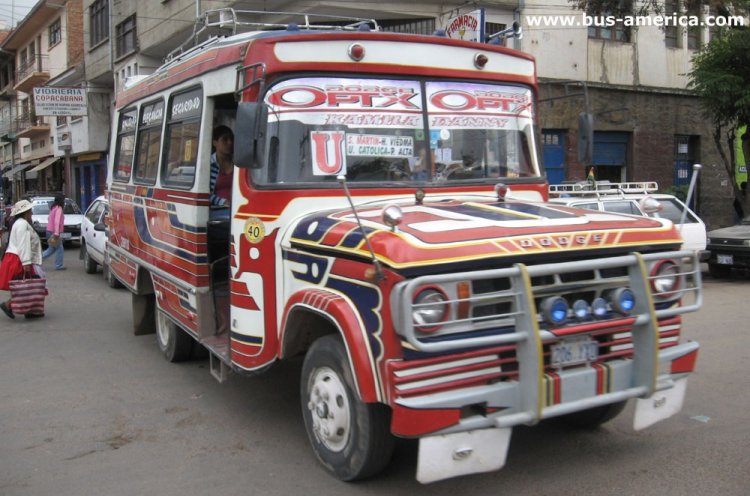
x=352 y=439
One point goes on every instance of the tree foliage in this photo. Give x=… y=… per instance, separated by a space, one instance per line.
x=721 y=78
x=720 y=74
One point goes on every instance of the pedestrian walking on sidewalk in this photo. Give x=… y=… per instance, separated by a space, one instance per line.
x=55 y=228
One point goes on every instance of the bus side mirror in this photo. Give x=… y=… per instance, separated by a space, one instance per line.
x=248 y=133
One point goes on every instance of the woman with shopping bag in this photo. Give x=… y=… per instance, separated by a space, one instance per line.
x=20 y=270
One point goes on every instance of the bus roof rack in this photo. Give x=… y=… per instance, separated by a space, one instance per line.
x=601 y=188
x=228 y=21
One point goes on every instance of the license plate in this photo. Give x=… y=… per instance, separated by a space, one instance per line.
x=65 y=235
x=573 y=352
x=724 y=259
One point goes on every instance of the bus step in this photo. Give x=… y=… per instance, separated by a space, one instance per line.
x=219 y=368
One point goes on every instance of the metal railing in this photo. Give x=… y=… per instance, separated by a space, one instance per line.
x=228 y=21
x=29 y=120
x=508 y=305
x=28 y=67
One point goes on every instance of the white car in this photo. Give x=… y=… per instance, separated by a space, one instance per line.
x=94 y=240
x=624 y=198
x=40 y=208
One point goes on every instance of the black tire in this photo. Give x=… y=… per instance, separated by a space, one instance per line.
x=719 y=271
x=362 y=444
x=594 y=417
x=89 y=265
x=112 y=281
x=198 y=351
x=173 y=341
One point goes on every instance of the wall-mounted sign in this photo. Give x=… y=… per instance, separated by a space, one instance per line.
x=61 y=101
x=467 y=27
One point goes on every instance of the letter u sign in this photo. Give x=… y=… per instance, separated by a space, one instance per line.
x=328 y=152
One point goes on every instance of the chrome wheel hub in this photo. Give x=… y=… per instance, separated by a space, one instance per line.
x=329 y=409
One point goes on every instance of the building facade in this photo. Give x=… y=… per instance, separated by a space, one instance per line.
x=648 y=126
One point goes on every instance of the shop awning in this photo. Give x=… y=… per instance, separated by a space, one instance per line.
x=44 y=164
x=15 y=170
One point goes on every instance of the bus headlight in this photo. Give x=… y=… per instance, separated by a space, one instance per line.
x=554 y=310
x=430 y=309
x=581 y=309
x=599 y=308
x=665 y=278
x=622 y=300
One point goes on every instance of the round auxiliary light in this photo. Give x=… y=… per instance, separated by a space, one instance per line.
x=429 y=310
x=665 y=278
x=622 y=300
x=599 y=308
x=356 y=52
x=554 y=310
x=581 y=309
x=392 y=216
x=502 y=190
x=480 y=60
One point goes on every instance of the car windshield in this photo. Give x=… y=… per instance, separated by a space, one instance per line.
x=42 y=207
x=396 y=131
x=672 y=209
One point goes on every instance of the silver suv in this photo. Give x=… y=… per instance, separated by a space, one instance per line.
x=625 y=198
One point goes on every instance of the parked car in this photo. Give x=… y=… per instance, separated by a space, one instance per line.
x=94 y=236
x=729 y=247
x=625 y=198
x=40 y=209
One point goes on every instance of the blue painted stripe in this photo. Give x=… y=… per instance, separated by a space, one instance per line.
x=141 y=224
x=247 y=339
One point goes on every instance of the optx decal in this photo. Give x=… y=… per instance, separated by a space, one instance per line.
x=478 y=98
x=328 y=156
x=459 y=100
x=353 y=94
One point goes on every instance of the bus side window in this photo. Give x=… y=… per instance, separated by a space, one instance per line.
x=182 y=153
x=123 y=163
x=149 y=141
x=182 y=137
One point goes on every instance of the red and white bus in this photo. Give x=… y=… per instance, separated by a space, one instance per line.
x=388 y=223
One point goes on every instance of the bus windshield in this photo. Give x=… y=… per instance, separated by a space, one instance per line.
x=396 y=131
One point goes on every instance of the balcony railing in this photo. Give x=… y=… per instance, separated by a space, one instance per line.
x=31 y=73
x=31 y=126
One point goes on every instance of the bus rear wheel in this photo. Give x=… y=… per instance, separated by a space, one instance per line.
x=173 y=341
x=352 y=439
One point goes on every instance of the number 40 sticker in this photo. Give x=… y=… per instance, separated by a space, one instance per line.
x=254 y=230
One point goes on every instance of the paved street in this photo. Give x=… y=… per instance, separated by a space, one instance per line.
x=86 y=408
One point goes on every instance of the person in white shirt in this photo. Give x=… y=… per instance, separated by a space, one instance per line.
x=24 y=252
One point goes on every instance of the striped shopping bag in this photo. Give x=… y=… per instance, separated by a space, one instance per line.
x=27 y=296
